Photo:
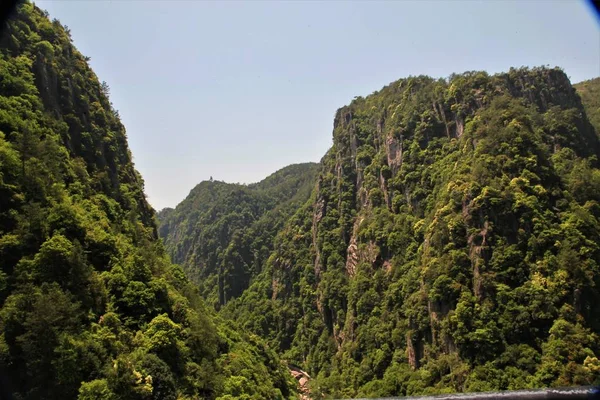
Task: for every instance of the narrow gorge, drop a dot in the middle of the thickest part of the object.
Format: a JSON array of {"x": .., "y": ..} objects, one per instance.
[{"x": 448, "y": 241}]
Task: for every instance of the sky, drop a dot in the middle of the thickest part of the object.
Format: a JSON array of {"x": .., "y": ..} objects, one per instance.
[{"x": 237, "y": 90}]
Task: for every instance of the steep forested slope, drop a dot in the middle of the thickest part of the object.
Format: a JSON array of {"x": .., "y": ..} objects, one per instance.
[
  {"x": 590, "y": 96},
  {"x": 90, "y": 307},
  {"x": 223, "y": 233},
  {"x": 452, "y": 243}
]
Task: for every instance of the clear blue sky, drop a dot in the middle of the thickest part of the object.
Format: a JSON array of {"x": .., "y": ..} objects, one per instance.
[{"x": 237, "y": 90}]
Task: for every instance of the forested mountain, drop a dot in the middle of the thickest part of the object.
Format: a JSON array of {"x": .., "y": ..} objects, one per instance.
[
  {"x": 222, "y": 233},
  {"x": 90, "y": 306},
  {"x": 452, "y": 243},
  {"x": 448, "y": 241},
  {"x": 590, "y": 96}
]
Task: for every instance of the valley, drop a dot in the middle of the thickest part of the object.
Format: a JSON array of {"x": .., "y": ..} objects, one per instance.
[{"x": 448, "y": 241}]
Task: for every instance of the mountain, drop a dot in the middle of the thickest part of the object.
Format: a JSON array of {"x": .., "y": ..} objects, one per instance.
[
  {"x": 589, "y": 91},
  {"x": 222, "y": 233},
  {"x": 448, "y": 241},
  {"x": 90, "y": 307},
  {"x": 452, "y": 243}
]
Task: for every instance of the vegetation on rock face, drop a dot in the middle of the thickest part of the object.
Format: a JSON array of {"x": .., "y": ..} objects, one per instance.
[
  {"x": 90, "y": 306},
  {"x": 451, "y": 243},
  {"x": 222, "y": 234}
]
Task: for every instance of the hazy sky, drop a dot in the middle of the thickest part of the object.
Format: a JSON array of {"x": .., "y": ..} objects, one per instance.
[{"x": 237, "y": 90}]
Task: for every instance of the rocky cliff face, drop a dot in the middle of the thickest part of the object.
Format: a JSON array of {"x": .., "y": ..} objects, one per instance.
[{"x": 452, "y": 236}]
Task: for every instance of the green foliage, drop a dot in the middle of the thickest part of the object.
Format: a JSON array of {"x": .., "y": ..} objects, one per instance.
[
  {"x": 223, "y": 233},
  {"x": 90, "y": 306},
  {"x": 450, "y": 243},
  {"x": 95, "y": 390},
  {"x": 590, "y": 96}
]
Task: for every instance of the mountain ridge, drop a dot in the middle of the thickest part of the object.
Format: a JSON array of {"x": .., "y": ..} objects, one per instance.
[
  {"x": 90, "y": 306},
  {"x": 388, "y": 280},
  {"x": 359, "y": 289},
  {"x": 589, "y": 91},
  {"x": 448, "y": 241},
  {"x": 220, "y": 221}
]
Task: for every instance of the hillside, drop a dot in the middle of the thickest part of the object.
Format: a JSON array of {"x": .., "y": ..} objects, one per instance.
[
  {"x": 589, "y": 91},
  {"x": 222, "y": 233},
  {"x": 448, "y": 241},
  {"x": 90, "y": 307},
  {"x": 451, "y": 243}
]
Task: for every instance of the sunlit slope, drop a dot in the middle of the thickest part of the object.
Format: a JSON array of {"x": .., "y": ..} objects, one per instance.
[
  {"x": 90, "y": 306},
  {"x": 451, "y": 243}
]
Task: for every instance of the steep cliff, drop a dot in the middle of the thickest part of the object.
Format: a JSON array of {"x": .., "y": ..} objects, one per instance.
[
  {"x": 222, "y": 233},
  {"x": 451, "y": 243},
  {"x": 90, "y": 308}
]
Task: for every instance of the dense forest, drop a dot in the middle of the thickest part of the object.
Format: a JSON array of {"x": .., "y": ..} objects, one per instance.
[
  {"x": 222, "y": 234},
  {"x": 450, "y": 242},
  {"x": 91, "y": 307}
]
